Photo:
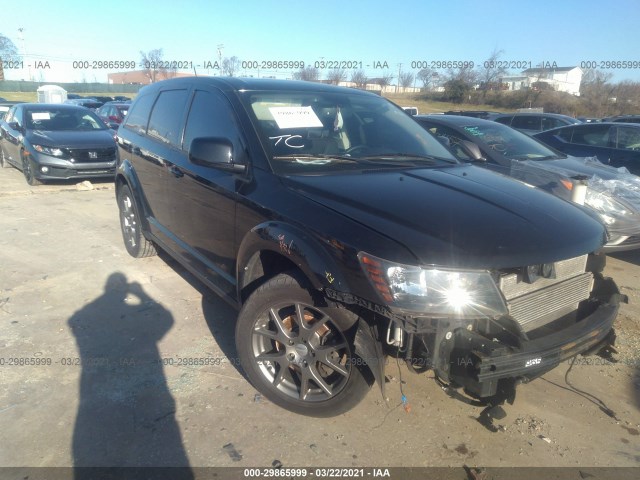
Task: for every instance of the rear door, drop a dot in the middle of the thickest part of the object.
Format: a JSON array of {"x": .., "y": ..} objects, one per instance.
[{"x": 591, "y": 140}]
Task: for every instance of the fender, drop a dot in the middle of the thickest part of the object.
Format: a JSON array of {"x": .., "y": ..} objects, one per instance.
[{"x": 316, "y": 259}]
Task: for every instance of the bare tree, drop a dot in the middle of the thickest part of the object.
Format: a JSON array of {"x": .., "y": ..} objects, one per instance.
[
  {"x": 8, "y": 53},
  {"x": 230, "y": 66},
  {"x": 152, "y": 64},
  {"x": 384, "y": 80},
  {"x": 406, "y": 79},
  {"x": 428, "y": 77},
  {"x": 491, "y": 71},
  {"x": 309, "y": 74},
  {"x": 337, "y": 75},
  {"x": 359, "y": 78}
]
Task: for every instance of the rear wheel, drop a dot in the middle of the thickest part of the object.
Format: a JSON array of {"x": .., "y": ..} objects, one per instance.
[
  {"x": 134, "y": 240},
  {"x": 298, "y": 351},
  {"x": 28, "y": 170}
]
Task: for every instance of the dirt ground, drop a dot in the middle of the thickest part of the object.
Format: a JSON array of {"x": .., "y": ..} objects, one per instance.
[{"x": 100, "y": 364}]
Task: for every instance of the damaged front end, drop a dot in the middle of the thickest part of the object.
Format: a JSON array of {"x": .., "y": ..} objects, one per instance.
[{"x": 485, "y": 332}]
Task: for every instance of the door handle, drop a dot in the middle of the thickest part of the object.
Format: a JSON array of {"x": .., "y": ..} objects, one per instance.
[{"x": 176, "y": 172}]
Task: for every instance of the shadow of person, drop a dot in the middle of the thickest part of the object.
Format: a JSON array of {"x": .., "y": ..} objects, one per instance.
[{"x": 126, "y": 414}]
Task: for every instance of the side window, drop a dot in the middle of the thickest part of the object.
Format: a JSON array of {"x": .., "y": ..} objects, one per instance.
[
  {"x": 593, "y": 135},
  {"x": 504, "y": 120},
  {"x": 211, "y": 116},
  {"x": 526, "y": 123},
  {"x": 17, "y": 116},
  {"x": 166, "y": 118},
  {"x": 139, "y": 117},
  {"x": 549, "y": 122},
  {"x": 628, "y": 138},
  {"x": 565, "y": 134}
]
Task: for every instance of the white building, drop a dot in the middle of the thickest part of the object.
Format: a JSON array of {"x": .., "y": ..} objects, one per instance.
[{"x": 560, "y": 79}]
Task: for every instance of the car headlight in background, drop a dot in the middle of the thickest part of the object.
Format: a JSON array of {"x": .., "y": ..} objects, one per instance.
[
  {"x": 54, "y": 152},
  {"x": 434, "y": 291}
]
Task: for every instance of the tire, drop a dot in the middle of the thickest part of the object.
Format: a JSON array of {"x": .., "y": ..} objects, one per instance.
[
  {"x": 308, "y": 366},
  {"x": 4, "y": 163},
  {"x": 28, "y": 170},
  {"x": 134, "y": 240}
]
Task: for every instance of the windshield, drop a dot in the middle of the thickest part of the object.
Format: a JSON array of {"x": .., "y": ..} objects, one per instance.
[
  {"x": 319, "y": 131},
  {"x": 509, "y": 142},
  {"x": 54, "y": 119}
]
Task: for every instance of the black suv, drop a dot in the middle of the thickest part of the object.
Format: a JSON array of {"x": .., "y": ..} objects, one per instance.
[{"x": 344, "y": 232}]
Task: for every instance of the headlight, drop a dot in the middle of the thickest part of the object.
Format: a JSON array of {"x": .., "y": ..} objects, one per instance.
[
  {"x": 55, "y": 152},
  {"x": 434, "y": 291},
  {"x": 610, "y": 210}
]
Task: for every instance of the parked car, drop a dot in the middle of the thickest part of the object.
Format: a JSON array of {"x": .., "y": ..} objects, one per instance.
[
  {"x": 113, "y": 113},
  {"x": 5, "y": 106},
  {"x": 485, "y": 114},
  {"x": 104, "y": 99},
  {"x": 411, "y": 110},
  {"x": 56, "y": 141},
  {"x": 531, "y": 123},
  {"x": 615, "y": 144},
  {"x": 338, "y": 226},
  {"x": 625, "y": 119},
  {"x": 120, "y": 98},
  {"x": 88, "y": 102},
  {"x": 614, "y": 195}
]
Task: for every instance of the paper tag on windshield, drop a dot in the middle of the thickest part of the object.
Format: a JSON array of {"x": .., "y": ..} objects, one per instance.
[
  {"x": 295, "y": 117},
  {"x": 40, "y": 116}
]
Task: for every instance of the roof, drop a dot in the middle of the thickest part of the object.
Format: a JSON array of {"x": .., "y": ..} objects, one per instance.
[
  {"x": 545, "y": 70},
  {"x": 258, "y": 84},
  {"x": 457, "y": 120},
  {"x": 67, "y": 106}
]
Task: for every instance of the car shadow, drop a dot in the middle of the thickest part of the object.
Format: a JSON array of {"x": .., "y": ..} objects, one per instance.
[
  {"x": 219, "y": 315},
  {"x": 126, "y": 413},
  {"x": 630, "y": 256}
]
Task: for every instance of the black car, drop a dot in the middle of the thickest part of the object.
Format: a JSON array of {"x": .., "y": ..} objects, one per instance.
[
  {"x": 113, "y": 113},
  {"x": 624, "y": 119},
  {"x": 531, "y": 123},
  {"x": 87, "y": 102},
  {"x": 343, "y": 231},
  {"x": 56, "y": 141},
  {"x": 484, "y": 114},
  {"x": 615, "y": 144},
  {"x": 615, "y": 196}
]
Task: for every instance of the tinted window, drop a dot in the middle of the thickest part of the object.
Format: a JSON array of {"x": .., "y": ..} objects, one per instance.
[
  {"x": 628, "y": 138},
  {"x": 166, "y": 117},
  {"x": 551, "y": 122},
  {"x": 594, "y": 135},
  {"x": 137, "y": 120},
  {"x": 526, "y": 123},
  {"x": 504, "y": 120},
  {"x": 210, "y": 116},
  {"x": 56, "y": 119},
  {"x": 10, "y": 115},
  {"x": 565, "y": 134}
]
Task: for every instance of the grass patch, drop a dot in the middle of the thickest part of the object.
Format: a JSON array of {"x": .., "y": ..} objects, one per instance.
[{"x": 428, "y": 106}]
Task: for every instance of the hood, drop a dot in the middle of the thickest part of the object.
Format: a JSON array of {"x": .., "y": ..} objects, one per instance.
[
  {"x": 461, "y": 216},
  {"x": 71, "y": 138}
]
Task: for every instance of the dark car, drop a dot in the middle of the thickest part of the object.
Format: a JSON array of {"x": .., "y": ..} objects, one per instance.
[
  {"x": 88, "y": 102},
  {"x": 342, "y": 231},
  {"x": 113, "y": 113},
  {"x": 121, "y": 98},
  {"x": 56, "y": 141},
  {"x": 531, "y": 123},
  {"x": 624, "y": 119},
  {"x": 615, "y": 144},
  {"x": 615, "y": 196},
  {"x": 5, "y": 106},
  {"x": 485, "y": 114}
]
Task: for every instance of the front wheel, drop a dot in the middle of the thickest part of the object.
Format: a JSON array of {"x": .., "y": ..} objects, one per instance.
[
  {"x": 28, "y": 170},
  {"x": 298, "y": 351}
]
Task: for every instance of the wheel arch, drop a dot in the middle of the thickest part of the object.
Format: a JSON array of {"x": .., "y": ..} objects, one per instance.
[{"x": 126, "y": 175}]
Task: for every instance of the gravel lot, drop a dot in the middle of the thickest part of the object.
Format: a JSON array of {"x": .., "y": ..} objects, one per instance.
[{"x": 101, "y": 366}]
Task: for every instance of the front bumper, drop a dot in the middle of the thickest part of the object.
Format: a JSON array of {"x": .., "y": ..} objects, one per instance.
[
  {"x": 478, "y": 364},
  {"x": 59, "y": 169}
]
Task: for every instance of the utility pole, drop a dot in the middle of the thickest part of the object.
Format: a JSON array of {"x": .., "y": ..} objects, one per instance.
[
  {"x": 398, "y": 82},
  {"x": 220, "y": 48}
]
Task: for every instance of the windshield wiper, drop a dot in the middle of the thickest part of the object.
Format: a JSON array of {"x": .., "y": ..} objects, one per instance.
[
  {"x": 412, "y": 158},
  {"x": 536, "y": 159},
  {"x": 317, "y": 156}
]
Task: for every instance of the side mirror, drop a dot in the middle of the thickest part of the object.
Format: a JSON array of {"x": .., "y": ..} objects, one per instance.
[
  {"x": 215, "y": 153},
  {"x": 472, "y": 150},
  {"x": 444, "y": 140},
  {"x": 15, "y": 126}
]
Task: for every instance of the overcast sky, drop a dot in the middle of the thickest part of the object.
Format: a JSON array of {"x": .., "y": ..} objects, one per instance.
[{"x": 365, "y": 33}]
